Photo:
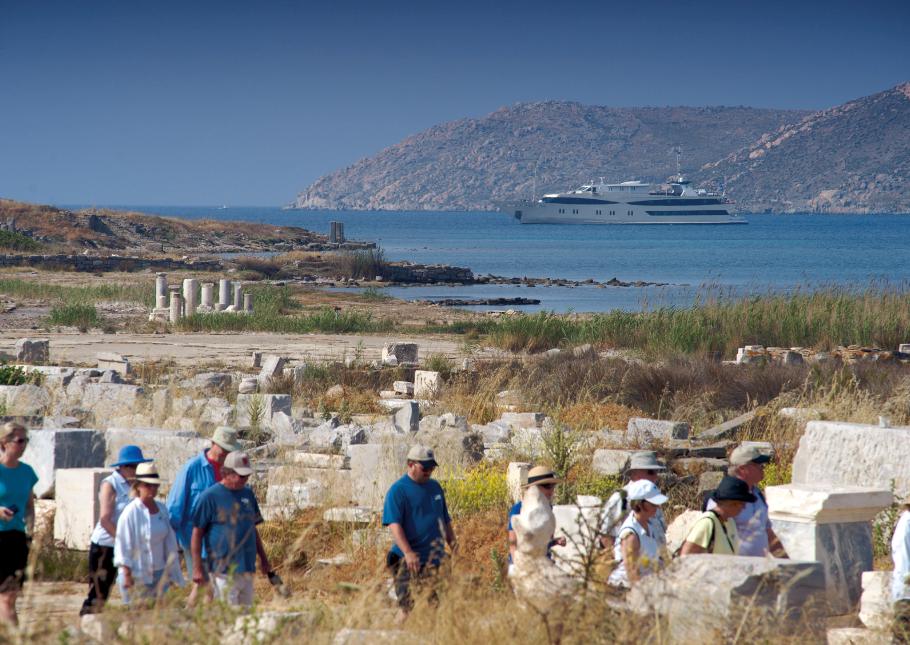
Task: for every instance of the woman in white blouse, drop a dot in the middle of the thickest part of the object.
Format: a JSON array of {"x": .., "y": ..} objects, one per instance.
[{"x": 145, "y": 547}]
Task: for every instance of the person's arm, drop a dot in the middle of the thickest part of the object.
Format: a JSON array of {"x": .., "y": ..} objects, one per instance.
[
  {"x": 127, "y": 574},
  {"x": 196, "y": 551},
  {"x": 513, "y": 543},
  {"x": 177, "y": 499},
  {"x": 775, "y": 546},
  {"x": 263, "y": 556},
  {"x": 30, "y": 515},
  {"x": 631, "y": 546},
  {"x": 450, "y": 535},
  {"x": 107, "y": 500},
  {"x": 690, "y": 548},
  {"x": 411, "y": 557}
]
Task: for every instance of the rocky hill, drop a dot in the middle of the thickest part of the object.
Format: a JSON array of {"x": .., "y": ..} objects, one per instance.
[
  {"x": 101, "y": 229},
  {"x": 482, "y": 163},
  {"x": 851, "y": 158}
]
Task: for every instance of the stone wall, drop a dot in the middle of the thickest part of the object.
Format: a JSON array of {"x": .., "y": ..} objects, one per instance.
[{"x": 94, "y": 263}]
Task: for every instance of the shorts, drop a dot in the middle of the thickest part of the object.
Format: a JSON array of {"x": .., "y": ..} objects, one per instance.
[
  {"x": 403, "y": 578},
  {"x": 13, "y": 560},
  {"x": 235, "y": 590}
]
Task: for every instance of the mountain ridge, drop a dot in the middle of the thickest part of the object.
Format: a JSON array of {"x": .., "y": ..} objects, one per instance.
[{"x": 768, "y": 160}]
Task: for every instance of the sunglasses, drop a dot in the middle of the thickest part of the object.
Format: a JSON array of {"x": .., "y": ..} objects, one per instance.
[
  {"x": 547, "y": 486},
  {"x": 427, "y": 468},
  {"x": 19, "y": 440}
]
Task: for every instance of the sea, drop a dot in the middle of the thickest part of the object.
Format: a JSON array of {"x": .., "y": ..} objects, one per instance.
[{"x": 770, "y": 254}]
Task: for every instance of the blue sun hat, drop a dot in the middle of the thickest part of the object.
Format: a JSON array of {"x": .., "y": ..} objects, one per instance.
[{"x": 130, "y": 456}]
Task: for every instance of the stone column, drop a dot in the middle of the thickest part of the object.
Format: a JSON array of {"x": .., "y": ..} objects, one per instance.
[
  {"x": 190, "y": 289},
  {"x": 208, "y": 295},
  {"x": 224, "y": 294},
  {"x": 238, "y": 296},
  {"x": 161, "y": 291},
  {"x": 176, "y": 307},
  {"x": 831, "y": 525},
  {"x": 248, "y": 302}
]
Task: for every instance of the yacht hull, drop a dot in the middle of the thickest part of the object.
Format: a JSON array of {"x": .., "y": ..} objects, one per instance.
[{"x": 543, "y": 213}]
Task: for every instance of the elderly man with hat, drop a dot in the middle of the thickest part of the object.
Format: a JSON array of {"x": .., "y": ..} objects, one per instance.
[
  {"x": 753, "y": 526},
  {"x": 416, "y": 513},
  {"x": 224, "y": 522},
  {"x": 546, "y": 480},
  {"x": 195, "y": 477},
  {"x": 113, "y": 497},
  {"x": 643, "y": 466}
]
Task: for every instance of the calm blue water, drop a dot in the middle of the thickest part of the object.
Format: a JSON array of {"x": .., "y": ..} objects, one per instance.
[{"x": 771, "y": 253}]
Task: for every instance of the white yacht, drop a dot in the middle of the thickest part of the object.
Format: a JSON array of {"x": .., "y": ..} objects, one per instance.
[{"x": 630, "y": 202}]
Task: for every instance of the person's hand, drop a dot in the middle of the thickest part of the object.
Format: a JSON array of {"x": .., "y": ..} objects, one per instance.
[
  {"x": 127, "y": 579},
  {"x": 412, "y": 560},
  {"x": 198, "y": 575},
  {"x": 560, "y": 541},
  {"x": 6, "y": 514}
]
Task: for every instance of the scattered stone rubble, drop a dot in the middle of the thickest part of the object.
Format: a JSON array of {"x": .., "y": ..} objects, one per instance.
[{"x": 843, "y": 475}]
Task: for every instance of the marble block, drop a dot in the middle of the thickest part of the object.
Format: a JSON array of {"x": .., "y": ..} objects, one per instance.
[{"x": 833, "y": 527}]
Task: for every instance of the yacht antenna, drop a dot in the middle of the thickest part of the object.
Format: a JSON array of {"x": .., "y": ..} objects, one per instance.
[{"x": 678, "y": 152}]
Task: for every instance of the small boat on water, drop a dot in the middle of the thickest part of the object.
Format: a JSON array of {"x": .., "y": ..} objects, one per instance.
[{"x": 630, "y": 202}]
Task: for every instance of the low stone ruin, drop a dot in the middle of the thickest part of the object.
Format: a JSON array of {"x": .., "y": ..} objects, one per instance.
[{"x": 751, "y": 354}]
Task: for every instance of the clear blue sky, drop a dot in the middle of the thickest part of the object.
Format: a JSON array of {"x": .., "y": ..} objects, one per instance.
[{"x": 245, "y": 103}]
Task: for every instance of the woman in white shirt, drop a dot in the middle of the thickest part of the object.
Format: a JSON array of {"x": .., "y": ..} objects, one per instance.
[
  {"x": 635, "y": 548},
  {"x": 113, "y": 496},
  {"x": 900, "y": 577},
  {"x": 145, "y": 547}
]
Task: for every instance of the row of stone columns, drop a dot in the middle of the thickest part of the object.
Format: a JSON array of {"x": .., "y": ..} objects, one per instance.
[{"x": 186, "y": 301}]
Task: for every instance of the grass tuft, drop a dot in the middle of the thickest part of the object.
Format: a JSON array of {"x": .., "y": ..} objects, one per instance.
[{"x": 80, "y": 316}]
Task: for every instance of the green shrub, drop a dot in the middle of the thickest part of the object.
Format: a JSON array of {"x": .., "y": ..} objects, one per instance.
[
  {"x": 82, "y": 317},
  {"x": 17, "y": 242},
  {"x": 439, "y": 363},
  {"x": 375, "y": 295},
  {"x": 13, "y": 375}
]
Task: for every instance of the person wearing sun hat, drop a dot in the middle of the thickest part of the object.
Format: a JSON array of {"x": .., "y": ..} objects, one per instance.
[
  {"x": 145, "y": 547},
  {"x": 753, "y": 525},
  {"x": 715, "y": 530},
  {"x": 224, "y": 522},
  {"x": 113, "y": 497},
  {"x": 635, "y": 549},
  {"x": 416, "y": 513},
  {"x": 195, "y": 477},
  {"x": 643, "y": 466},
  {"x": 546, "y": 480}
]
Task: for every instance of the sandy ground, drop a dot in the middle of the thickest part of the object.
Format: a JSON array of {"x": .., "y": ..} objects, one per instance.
[{"x": 229, "y": 349}]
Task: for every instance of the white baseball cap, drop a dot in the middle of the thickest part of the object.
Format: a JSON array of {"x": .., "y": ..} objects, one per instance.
[{"x": 646, "y": 490}]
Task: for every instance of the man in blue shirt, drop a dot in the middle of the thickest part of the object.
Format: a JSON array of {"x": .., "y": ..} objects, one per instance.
[
  {"x": 416, "y": 513},
  {"x": 194, "y": 478},
  {"x": 224, "y": 521}
]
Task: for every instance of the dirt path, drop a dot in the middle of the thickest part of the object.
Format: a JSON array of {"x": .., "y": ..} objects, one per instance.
[{"x": 229, "y": 349}]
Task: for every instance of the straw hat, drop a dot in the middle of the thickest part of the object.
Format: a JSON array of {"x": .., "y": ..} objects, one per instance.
[
  {"x": 147, "y": 474},
  {"x": 541, "y": 475}
]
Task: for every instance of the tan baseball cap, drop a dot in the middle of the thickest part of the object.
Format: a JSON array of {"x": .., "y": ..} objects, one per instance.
[
  {"x": 422, "y": 454},
  {"x": 239, "y": 462},
  {"x": 745, "y": 454}
]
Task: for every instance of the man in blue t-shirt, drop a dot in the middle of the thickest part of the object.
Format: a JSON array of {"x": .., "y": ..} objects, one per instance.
[
  {"x": 416, "y": 513},
  {"x": 545, "y": 479},
  {"x": 225, "y": 519}
]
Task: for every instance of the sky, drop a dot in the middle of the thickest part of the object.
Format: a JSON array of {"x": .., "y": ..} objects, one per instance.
[{"x": 197, "y": 102}]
